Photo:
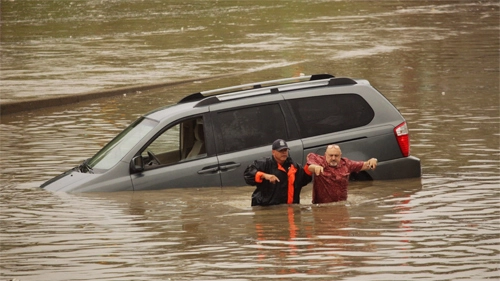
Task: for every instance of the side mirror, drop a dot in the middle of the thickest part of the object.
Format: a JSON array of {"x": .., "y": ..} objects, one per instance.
[{"x": 137, "y": 164}]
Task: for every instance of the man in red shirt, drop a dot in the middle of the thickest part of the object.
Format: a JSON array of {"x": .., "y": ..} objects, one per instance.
[{"x": 332, "y": 174}]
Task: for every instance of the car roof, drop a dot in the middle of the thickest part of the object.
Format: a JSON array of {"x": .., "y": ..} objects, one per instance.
[
  {"x": 170, "y": 110},
  {"x": 203, "y": 99}
]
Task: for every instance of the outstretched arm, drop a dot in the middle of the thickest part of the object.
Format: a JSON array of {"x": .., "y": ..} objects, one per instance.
[
  {"x": 315, "y": 169},
  {"x": 270, "y": 177},
  {"x": 254, "y": 174}
]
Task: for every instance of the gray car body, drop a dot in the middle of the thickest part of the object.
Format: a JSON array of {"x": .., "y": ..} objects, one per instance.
[{"x": 375, "y": 139}]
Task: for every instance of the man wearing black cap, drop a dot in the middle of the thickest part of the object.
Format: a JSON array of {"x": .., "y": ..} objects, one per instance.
[{"x": 279, "y": 180}]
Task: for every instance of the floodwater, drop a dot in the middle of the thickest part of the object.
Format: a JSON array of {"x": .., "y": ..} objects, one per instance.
[{"x": 437, "y": 61}]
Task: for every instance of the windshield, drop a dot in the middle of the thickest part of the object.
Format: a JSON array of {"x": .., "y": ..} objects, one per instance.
[{"x": 116, "y": 149}]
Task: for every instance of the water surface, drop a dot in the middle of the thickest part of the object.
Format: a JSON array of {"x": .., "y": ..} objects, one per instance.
[{"x": 437, "y": 62}]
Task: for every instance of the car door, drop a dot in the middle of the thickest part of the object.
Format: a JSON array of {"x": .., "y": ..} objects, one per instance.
[
  {"x": 245, "y": 134},
  {"x": 179, "y": 157}
]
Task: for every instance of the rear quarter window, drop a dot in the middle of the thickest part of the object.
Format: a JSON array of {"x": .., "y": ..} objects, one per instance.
[{"x": 332, "y": 113}]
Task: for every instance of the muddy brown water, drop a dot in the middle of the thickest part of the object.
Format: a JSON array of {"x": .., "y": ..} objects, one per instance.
[{"x": 437, "y": 61}]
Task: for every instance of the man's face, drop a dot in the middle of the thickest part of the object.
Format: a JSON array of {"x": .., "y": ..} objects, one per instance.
[
  {"x": 280, "y": 156},
  {"x": 333, "y": 155}
]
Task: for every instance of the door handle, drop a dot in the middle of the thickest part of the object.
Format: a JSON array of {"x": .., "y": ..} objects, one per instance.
[
  {"x": 208, "y": 170},
  {"x": 229, "y": 166}
]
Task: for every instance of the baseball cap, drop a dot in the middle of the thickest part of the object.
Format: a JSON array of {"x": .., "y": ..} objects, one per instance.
[{"x": 279, "y": 145}]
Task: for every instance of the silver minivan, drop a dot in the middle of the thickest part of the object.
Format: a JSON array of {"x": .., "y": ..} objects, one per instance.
[{"x": 208, "y": 138}]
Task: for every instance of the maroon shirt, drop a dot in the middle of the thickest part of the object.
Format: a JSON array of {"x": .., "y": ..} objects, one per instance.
[{"x": 331, "y": 186}]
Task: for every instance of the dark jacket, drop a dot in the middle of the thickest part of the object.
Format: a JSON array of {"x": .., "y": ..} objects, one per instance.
[{"x": 280, "y": 192}]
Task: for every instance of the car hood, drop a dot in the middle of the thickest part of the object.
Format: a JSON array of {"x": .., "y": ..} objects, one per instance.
[{"x": 71, "y": 180}]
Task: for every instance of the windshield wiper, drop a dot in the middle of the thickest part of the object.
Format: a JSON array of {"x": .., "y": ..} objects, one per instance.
[{"x": 85, "y": 168}]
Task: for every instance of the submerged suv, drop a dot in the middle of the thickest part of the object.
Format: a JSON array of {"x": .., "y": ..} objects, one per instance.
[{"x": 208, "y": 138}]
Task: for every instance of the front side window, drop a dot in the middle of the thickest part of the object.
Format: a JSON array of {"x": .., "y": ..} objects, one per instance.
[
  {"x": 327, "y": 114},
  {"x": 181, "y": 141},
  {"x": 250, "y": 127}
]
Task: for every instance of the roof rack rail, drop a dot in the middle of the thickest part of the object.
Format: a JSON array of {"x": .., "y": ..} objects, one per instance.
[
  {"x": 339, "y": 81},
  {"x": 255, "y": 85},
  {"x": 212, "y": 99}
]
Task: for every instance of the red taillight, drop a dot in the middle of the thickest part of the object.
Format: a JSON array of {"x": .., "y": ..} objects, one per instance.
[{"x": 401, "y": 132}]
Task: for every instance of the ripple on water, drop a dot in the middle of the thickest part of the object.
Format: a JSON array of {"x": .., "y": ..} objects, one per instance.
[{"x": 427, "y": 59}]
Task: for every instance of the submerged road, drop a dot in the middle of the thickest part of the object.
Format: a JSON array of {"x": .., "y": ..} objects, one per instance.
[{"x": 39, "y": 103}]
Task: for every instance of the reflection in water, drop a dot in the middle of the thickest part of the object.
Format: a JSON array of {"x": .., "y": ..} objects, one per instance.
[
  {"x": 437, "y": 62},
  {"x": 213, "y": 232}
]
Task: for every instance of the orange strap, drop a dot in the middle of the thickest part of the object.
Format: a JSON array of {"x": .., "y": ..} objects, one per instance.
[{"x": 291, "y": 180}]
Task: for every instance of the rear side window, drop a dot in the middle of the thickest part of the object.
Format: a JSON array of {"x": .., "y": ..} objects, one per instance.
[
  {"x": 249, "y": 127},
  {"x": 328, "y": 114}
]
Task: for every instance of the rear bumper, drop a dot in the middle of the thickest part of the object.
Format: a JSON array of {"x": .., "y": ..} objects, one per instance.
[{"x": 402, "y": 168}]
